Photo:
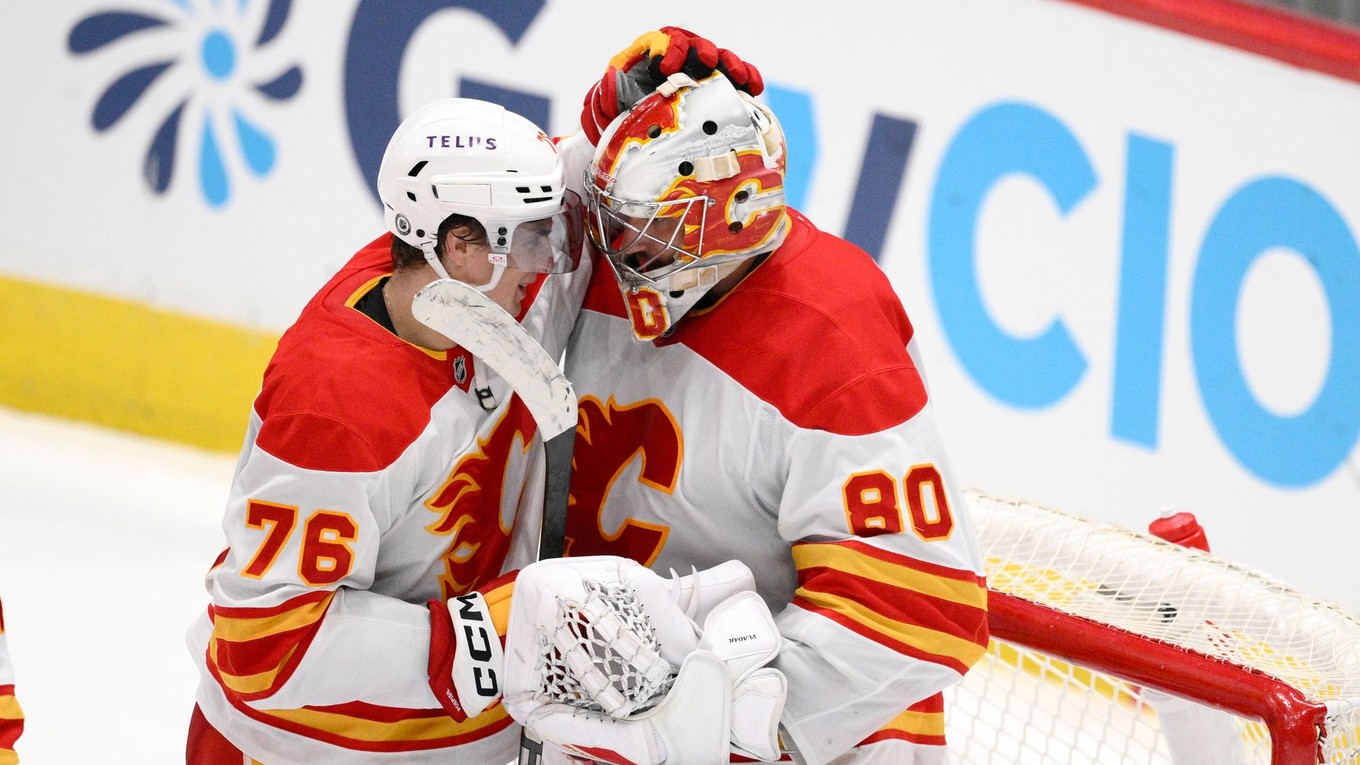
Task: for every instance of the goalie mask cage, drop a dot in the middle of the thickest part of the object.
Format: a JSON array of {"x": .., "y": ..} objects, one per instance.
[{"x": 1100, "y": 635}]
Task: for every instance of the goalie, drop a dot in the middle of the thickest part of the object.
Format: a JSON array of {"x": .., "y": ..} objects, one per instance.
[{"x": 750, "y": 388}]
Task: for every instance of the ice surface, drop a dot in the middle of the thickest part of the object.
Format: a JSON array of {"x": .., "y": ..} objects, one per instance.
[{"x": 104, "y": 541}]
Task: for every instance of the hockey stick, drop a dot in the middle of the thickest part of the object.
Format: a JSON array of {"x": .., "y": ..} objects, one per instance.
[{"x": 469, "y": 318}]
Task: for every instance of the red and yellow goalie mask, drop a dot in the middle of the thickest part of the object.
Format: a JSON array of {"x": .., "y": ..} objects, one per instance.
[{"x": 684, "y": 187}]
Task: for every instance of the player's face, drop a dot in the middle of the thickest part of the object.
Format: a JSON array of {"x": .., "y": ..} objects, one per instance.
[
  {"x": 655, "y": 247},
  {"x": 473, "y": 268}
]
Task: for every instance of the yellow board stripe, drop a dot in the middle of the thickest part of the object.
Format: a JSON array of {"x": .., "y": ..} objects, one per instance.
[
  {"x": 914, "y": 635},
  {"x": 850, "y": 561},
  {"x": 9, "y": 708},
  {"x": 125, "y": 365}
]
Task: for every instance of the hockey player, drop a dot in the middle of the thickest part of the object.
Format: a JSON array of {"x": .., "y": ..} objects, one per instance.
[
  {"x": 11, "y": 716},
  {"x": 385, "y": 467},
  {"x": 750, "y": 387}
]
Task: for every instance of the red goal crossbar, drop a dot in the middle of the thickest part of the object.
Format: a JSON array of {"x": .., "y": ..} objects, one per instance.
[{"x": 1295, "y": 723}]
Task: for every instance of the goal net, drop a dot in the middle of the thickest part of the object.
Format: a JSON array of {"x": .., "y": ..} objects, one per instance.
[{"x": 1114, "y": 647}]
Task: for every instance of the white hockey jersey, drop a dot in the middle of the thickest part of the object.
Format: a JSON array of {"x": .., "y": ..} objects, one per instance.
[
  {"x": 788, "y": 426},
  {"x": 372, "y": 481}
]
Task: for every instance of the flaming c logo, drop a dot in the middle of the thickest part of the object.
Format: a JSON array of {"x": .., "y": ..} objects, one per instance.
[
  {"x": 609, "y": 438},
  {"x": 722, "y": 232},
  {"x": 469, "y": 504}
]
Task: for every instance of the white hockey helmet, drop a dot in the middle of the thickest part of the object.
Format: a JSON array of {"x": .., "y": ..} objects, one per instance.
[
  {"x": 684, "y": 187},
  {"x": 474, "y": 158}
]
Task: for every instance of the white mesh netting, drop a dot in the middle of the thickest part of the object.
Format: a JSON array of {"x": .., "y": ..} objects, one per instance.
[
  {"x": 604, "y": 655},
  {"x": 1022, "y": 706}
]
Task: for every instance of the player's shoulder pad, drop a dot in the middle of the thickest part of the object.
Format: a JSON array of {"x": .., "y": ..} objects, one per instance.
[{"x": 818, "y": 332}]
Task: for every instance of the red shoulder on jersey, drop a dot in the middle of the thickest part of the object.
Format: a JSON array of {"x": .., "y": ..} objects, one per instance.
[
  {"x": 817, "y": 331},
  {"x": 342, "y": 393}
]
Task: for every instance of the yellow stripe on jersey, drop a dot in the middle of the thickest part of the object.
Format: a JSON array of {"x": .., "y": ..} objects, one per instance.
[
  {"x": 362, "y": 729},
  {"x": 258, "y": 683},
  {"x": 921, "y": 609},
  {"x": 927, "y": 641},
  {"x": 237, "y": 627},
  {"x": 917, "y": 723},
  {"x": 842, "y": 558},
  {"x": 253, "y": 650},
  {"x": 11, "y": 726}
]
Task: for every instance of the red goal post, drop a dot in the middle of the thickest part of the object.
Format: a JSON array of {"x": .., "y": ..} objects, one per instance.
[{"x": 1099, "y": 634}]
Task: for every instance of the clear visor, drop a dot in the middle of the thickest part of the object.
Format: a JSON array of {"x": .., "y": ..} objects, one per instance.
[
  {"x": 545, "y": 245},
  {"x": 645, "y": 239}
]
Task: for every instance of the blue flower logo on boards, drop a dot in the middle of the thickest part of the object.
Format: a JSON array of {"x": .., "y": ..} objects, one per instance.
[{"x": 202, "y": 59}]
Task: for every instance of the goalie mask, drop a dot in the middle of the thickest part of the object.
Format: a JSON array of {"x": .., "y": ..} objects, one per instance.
[
  {"x": 474, "y": 158},
  {"x": 684, "y": 187}
]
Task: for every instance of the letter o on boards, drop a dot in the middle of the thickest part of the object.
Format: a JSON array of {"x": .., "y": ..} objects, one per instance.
[{"x": 1291, "y": 451}]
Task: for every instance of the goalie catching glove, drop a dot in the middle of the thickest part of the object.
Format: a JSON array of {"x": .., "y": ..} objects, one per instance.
[
  {"x": 590, "y": 667},
  {"x": 653, "y": 57},
  {"x": 467, "y": 635}
]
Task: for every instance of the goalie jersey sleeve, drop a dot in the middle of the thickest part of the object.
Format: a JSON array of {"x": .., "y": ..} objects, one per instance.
[
  {"x": 372, "y": 481},
  {"x": 11, "y": 716},
  {"x": 788, "y": 426}
]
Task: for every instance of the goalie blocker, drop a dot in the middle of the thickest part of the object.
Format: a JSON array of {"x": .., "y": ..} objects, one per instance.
[{"x": 606, "y": 660}]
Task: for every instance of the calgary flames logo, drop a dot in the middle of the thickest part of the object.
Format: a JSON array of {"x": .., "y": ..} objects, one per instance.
[
  {"x": 609, "y": 438},
  {"x": 750, "y": 206},
  {"x": 469, "y": 504}
]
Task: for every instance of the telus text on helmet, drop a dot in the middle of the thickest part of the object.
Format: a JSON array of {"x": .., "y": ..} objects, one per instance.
[{"x": 461, "y": 142}]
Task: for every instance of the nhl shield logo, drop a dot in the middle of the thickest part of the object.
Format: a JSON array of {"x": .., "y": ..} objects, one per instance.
[{"x": 460, "y": 370}]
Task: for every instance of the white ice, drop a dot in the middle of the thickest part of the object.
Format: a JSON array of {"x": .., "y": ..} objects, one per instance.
[{"x": 104, "y": 541}]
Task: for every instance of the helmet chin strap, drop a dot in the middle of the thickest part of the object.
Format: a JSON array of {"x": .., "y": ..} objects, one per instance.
[
  {"x": 485, "y": 397},
  {"x": 431, "y": 257},
  {"x": 497, "y": 270}
]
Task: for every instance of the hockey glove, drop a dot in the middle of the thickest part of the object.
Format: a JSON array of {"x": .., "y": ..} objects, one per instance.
[
  {"x": 466, "y": 664},
  {"x": 467, "y": 658},
  {"x": 641, "y": 67},
  {"x": 723, "y": 699}
]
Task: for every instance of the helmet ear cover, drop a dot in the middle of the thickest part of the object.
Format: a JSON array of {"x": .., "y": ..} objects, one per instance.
[{"x": 406, "y": 255}]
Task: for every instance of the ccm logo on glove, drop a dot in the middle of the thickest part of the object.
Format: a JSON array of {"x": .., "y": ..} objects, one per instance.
[
  {"x": 466, "y": 656},
  {"x": 476, "y": 638},
  {"x": 478, "y": 656}
]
